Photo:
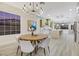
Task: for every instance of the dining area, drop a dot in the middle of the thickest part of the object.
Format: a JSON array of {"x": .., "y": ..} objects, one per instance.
[
  {"x": 15, "y": 36},
  {"x": 32, "y": 34},
  {"x": 30, "y": 43},
  {"x": 39, "y": 29}
]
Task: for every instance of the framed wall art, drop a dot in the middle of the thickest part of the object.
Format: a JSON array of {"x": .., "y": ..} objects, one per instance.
[
  {"x": 31, "y": 23},
  {"x": 9, "y": 23}
]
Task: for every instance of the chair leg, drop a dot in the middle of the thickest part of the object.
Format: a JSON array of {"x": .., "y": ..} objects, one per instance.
[
  {"x": 36, "y": 49},
  {"x": 44, "y": 52},
  {"x": 21, "y": 53},
  {"x": 31, "y": 54},
  {"x": 17, "y": 50},
  {"x": 48, "y": 49}
]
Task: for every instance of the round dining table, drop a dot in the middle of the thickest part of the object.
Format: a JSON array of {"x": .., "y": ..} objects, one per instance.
[
  {"x": 34, "y": 39},
  {"x": 29, "y": 37}
]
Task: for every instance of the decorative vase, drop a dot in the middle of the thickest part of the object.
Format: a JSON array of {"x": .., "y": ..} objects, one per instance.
[{"x": 32, "y": 33}]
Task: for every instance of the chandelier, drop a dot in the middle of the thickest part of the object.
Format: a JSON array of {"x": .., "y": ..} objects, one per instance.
[{"x": 34, "y": 8}]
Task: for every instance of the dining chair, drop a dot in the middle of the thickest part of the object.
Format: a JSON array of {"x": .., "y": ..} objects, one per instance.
[
  {"x": 26, "y": 47},
  {"x": 45, "y": 43}
]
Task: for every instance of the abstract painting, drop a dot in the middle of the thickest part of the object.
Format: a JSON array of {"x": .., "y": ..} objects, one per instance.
[
  {"x": 31, "y": 23},
  {"x": 9, "y": 23}
]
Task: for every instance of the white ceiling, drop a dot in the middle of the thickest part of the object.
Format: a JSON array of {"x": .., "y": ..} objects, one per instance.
[{"x": 51, "y": 8}]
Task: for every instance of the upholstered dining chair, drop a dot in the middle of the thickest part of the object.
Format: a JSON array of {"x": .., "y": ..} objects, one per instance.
[
  {"x": 45, "y": 43},
  {"x": 26, "y": 47}
]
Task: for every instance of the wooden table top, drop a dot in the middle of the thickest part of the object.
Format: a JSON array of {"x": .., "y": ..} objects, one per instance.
[{"x": 29, "y": 37}]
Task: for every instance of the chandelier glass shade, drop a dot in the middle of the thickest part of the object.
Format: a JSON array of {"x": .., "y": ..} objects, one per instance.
[{"x": 33, "y": 8}]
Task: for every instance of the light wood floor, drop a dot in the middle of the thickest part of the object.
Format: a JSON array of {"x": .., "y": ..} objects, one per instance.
[{"x": 65, "y": 46}]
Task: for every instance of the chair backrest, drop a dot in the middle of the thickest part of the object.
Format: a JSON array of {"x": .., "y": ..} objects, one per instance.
[
  {"x": 44, "y": 43},
  {"x": 26, "y": 46},
  {"x": 46, "y": 30}
]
